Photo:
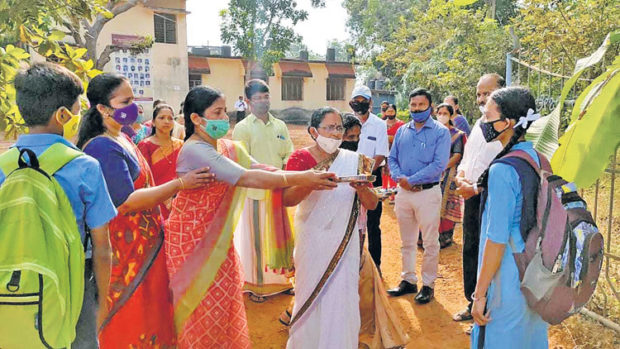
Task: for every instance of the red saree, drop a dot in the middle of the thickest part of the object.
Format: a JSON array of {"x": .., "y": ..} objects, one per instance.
[
  {"x": 205, "y": 270},
  {"x": 163, "y": 164},
  {"x": 139, "y": 299}
]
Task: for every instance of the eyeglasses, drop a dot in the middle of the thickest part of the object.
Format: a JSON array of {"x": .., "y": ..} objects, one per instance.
[{"x": 333, "y": 128}]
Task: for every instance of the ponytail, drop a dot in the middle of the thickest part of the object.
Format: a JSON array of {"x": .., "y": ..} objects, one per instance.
[
  {"x": 90, "y": 127},
  {"x": 100, "y": 90}
]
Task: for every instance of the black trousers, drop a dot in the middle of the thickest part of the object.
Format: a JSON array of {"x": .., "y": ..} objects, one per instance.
[
  {"x": 373, "y": 224},
  {"x": 86, "y": 329},
  {"x": 471, "y": 242},
  {"x": 240, "y": 115}
]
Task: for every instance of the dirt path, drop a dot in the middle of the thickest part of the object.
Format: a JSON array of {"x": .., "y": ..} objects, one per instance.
[{"x": 428, "y": 326}]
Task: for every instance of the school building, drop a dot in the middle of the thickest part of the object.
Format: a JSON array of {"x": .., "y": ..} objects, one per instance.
[
  {"x": 161, "y": 71},
  {"x": 297, "y": 86}
]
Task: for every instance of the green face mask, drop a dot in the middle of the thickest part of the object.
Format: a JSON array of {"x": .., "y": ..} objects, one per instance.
[{"x": 217, "y": 129}]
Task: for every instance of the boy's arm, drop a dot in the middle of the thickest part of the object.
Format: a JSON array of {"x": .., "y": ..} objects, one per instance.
[{"x": 102, "y": 261}]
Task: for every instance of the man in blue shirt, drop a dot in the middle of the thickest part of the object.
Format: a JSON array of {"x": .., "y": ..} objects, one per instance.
[
  {"x": 419, "y": 155},
  {"x": 48, "y": 99}
]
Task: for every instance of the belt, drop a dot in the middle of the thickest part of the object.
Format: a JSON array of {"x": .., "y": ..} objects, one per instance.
[{"x": 420, "y": 187}]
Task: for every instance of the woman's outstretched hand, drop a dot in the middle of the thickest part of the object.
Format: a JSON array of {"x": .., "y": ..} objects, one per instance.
[
  {"x": 321, "y": 180},
  {"x": 197, "y": 178}
]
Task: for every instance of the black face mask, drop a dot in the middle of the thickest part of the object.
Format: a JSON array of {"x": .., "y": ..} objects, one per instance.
[
  {"x": 349, "y": 145},
  {"x": 489, "y": 132},
  {"x": 360, "y": 107},
  {"x": 384, "y": 109}
]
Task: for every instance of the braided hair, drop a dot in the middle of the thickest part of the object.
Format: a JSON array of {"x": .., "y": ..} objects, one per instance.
[{"x": 513, "y": 103}]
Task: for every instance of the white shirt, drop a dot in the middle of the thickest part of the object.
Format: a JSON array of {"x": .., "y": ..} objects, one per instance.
[
  {"x": 240, "y": 105},
  {"x": 373, "y": 138},
  {"x": 478, "y": 154}
]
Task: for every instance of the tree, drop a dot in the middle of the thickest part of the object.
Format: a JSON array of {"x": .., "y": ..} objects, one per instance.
[
  {"x": 439, "y": 46},
  {"x": 85, "y": 33},
  {"x": 262, "y": 30},
  {"x": 345, "y": 51},
  {"x": 42, "y": 26}
]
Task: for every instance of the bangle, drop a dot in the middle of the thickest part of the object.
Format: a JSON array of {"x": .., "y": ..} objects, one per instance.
[
  {"x": 476, "y": 298},
  {"x": 182, "y": 183},
  {"x": 285, "y": 180},
  {"x": 476, "y": 188}
]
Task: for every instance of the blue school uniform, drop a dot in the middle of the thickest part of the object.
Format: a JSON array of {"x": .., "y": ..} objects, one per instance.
[{"x": 513, "y": 324}]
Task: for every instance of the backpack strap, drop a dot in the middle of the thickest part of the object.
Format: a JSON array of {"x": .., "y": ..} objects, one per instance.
[
  {"x": 57, "y": 156},
  {"x": 8, "y": 161},
  {"x": 521, "y": 154}
]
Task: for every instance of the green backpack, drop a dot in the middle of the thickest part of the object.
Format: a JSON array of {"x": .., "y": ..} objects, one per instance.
[{"x": 41, "y": 252}]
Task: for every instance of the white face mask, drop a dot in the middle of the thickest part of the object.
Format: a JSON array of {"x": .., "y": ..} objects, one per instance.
[
  {"x": 482, "y": 109},
  {"x": 444, "y": 119},
  {"x": 329, "y": 145}
]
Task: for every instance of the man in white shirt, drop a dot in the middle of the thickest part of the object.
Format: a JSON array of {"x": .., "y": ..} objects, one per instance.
[
  {"x": 477, "y": 157},
  {"x": 374, "y": 144},
  {"x": 241, "y": 107}
]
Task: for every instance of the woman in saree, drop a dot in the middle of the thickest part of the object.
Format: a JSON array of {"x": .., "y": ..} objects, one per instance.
[
  {"x": 204, "y": 268},
  {"x": 139, "y": 300},
  {"x": 452, "y": 203},
  {"x": 393, "y": 124},
  {"x": 326, "y": 313},
  {"x": 161, "y": 150}
]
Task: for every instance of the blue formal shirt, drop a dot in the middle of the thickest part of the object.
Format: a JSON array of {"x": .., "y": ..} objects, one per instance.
[
  {"x": 420, "y": 155},
  {"x": 81, "y": 179}
]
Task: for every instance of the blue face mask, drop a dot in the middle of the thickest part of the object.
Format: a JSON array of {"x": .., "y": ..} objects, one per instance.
[
  {"x": 217, "y": 129},
  {"x": 141, "y": 118},
  {"x": 421, "y": 116}
]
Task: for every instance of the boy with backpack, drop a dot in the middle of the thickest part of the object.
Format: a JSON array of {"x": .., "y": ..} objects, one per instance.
[{"x": 53, "y": 201}]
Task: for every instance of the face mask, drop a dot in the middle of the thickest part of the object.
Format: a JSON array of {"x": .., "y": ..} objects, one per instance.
[
  {"x": 481, "y": 107},
  {"x": 420, "y": 116},
  {"x": 260, "y": 108},
  {"x": 329, "y": 145},
  {"x": 391, "y": 117},
  {"x": 217, "y": 129},
  {"x": 444, "y": 119},
  {"x": 383, "y": 110},
  {"x": 141, "y": 118},
  {"x": 360, "y": 108},
  {"x": 489, "y": 132},
  {"x": 70, "y": 128},
  {"x": 127, "y": 115},
  {"x": 349, "y": 145}
]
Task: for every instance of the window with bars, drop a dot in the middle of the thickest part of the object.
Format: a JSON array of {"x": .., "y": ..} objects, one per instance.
[
  {"x": 195, "y": 80},
  {"x": 335, "y": 89},
  {"x": 292, "y": 88},
  {"x": 165, "y": 28}
]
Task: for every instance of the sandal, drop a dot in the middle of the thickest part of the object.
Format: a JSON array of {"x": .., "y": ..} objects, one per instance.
[
  {"x": 257, "y": 299},
  {"x": 463, "y": 315}
]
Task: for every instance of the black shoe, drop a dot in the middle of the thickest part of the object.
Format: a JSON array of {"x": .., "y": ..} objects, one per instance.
[
  {"x": 425, "y": 295},
  {"x": 403, "y": 288}
]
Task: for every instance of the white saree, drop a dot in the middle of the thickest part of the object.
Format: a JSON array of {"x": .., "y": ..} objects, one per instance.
[{"x": 326, "y": 311}]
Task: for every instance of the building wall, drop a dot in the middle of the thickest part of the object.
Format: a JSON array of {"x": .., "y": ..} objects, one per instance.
[
  {"x": 314, "y": 90},
  {"x": 169, "y": 61},
  {"x": 227, "y": 75}
]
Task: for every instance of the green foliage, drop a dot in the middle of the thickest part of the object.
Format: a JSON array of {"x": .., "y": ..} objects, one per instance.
[
  {"x": 42, "y": 26},
  {"x": 543, "y": 133},
  {"x": 262, "y": 30},
  {"x": 593, "y": 135},
  {"x": 556, "y": 33},
  {"x": 444, "y": 48}
]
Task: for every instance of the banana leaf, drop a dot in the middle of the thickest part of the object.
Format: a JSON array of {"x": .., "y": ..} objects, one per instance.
[
  {"x": 544, "y": 132},
  {"x": 594, "y": 133}
]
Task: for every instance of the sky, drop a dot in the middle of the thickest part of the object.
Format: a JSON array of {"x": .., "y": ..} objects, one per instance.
[{"x": 322, "y": 25}]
